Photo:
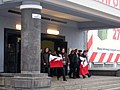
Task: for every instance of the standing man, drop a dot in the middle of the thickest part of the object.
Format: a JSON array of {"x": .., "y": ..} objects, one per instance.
[
  {"x": 70, "y": 56},
  {"x": 79, "y": 62},
  {"x": 75, "y": 63},
  {"x": 65, "y": 60}
]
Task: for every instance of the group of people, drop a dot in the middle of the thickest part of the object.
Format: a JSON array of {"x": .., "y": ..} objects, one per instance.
[{"x": 74, "y": 61}]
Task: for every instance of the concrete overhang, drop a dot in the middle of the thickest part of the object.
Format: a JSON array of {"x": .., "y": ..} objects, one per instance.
[
  {"x": 97, "y": 14},
  {"x": 90, "y": 9}
]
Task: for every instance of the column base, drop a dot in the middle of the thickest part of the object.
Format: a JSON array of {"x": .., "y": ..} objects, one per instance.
[
  {"x": 10, "y": 81},
  {"x": 31, "y": 82}
]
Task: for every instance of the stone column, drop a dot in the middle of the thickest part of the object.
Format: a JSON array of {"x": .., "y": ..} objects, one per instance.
[
  {"x": 30, "y": 37},
  {"x": 30, "y": 77}
]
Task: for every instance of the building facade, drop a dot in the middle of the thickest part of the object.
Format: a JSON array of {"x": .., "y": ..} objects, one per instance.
[{"x": 70, "y": 18}]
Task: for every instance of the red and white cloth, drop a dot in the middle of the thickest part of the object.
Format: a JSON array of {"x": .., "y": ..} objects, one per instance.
[
  {"x": 84, "y": 66},
  {"x": 55, "y": 61}
]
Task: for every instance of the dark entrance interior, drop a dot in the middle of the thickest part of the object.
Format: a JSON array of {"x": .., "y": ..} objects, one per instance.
[
  {"x": 53, "y": 42},
  {"x": 12, "y": 44},
  {"x": 12, "y": 48}
]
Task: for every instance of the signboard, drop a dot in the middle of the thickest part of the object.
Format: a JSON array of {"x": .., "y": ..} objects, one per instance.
[
  {"x": 113, "y": 3},
  {"x": 104, "y": 45}
]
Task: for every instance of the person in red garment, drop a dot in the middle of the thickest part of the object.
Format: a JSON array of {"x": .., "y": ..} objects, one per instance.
[
  {"x": 84, "y": 65},
  {"x": 57, "y": 62}
]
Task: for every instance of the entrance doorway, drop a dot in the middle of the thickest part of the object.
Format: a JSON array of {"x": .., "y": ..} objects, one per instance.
[
  {"x": 53, "y": 42},
  {"x": 12, "y": 48}
]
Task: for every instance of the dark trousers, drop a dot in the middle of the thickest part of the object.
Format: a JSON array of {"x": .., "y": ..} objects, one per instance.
[
  {"x": 46, "y": 69},
  {"x": 66, "y": 69},
  {"x": 74, "y": 70},
  {"x": 71, "y": 70},
  {"x": 61, "y": 72},
  {"x": 78, "y": 71}
]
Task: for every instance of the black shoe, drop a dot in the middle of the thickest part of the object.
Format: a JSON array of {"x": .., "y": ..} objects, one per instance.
[
  {"x": 70, "y": 76},
  {"x": 84, "y": 77},
  {"x": 57, "y": 78},
  {"x": 78, "y": 77},
  {"x": 65, "y": 80},
  {"x": 89, "y": 76},
  {"x": 50, "y": 76},
  {"x": 74, "y": 77}
]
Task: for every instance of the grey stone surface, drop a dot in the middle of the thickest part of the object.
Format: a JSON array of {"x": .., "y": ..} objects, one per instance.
[
  {"x": 32, "y": 83},
  {"x": 30, "y": 41},
  {"x": 93, "y": 83},
  {"x": 2, "y": 82}
]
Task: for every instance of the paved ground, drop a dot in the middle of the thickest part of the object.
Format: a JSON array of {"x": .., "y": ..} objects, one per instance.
[{"x": 92, "y": 83}]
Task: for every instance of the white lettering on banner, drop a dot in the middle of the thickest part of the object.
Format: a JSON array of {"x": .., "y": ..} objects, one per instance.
[{"x": 113, "y": 3}]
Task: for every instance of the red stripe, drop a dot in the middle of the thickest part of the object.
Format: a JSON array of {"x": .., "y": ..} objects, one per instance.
[
  {"x": 117, "y": 58},
  {"x": 102, "y": 57},
  {"x": 92, "y": 56},
  {"x": 89, "y": 44},
  {"x": 53, "y": 60},
  {"x": 110, "y": 57}
]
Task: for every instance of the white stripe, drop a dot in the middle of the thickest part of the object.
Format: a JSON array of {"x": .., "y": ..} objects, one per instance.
[
  {"x": 51, "y": 57},
  {"x": 84, "y": 61},
  {"x": 113, "y": 58},
  {"x": 97, "y": 57},
  {"x": 106, "y": 57},
  {"x": 89, "y": 54},
  {"x": 91, "y": 48},
  {"x": 31, "y": 6}
]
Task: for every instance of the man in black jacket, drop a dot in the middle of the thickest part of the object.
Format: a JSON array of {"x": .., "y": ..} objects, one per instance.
[
  {"x": 79, "y": 62},
  {"x": 70, "y": 56},
  {"x": 75, "y": 63}
]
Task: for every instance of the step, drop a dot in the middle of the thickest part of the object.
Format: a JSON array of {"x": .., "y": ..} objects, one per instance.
[
  {"x": 110, "y": 86},
  {"x": 104, "y": 87},
  {"x": 95, "y": 83},
  {"x": 100, "y": 83},
  {"x": 3, "y": 88},
  {"x": 83, "y": 81},
  {"x": 116, "y": 88}
]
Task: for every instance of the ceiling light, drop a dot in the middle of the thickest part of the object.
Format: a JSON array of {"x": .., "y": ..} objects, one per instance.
[
  {"x": 51, "y": 31},
  {"x": 18, "y": 26}
]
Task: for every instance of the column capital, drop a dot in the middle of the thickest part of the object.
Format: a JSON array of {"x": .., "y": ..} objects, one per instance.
[{"x": 31, "y": 6}]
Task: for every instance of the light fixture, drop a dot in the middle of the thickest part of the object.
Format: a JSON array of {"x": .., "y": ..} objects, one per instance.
[
  {"x": 18, "y": 26},
  {"x": 52, "y": 31}
]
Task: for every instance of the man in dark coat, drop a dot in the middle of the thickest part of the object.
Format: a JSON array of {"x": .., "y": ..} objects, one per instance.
[
  {"x": 79, "y": 62},
  {"x": 70, "y": 56},
  {"x": 75, "y": 63}
]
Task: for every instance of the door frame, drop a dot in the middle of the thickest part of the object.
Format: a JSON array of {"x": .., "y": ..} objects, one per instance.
[
  {"x": 51, "y": 37},
  {"x": 7, "y": 32}
]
